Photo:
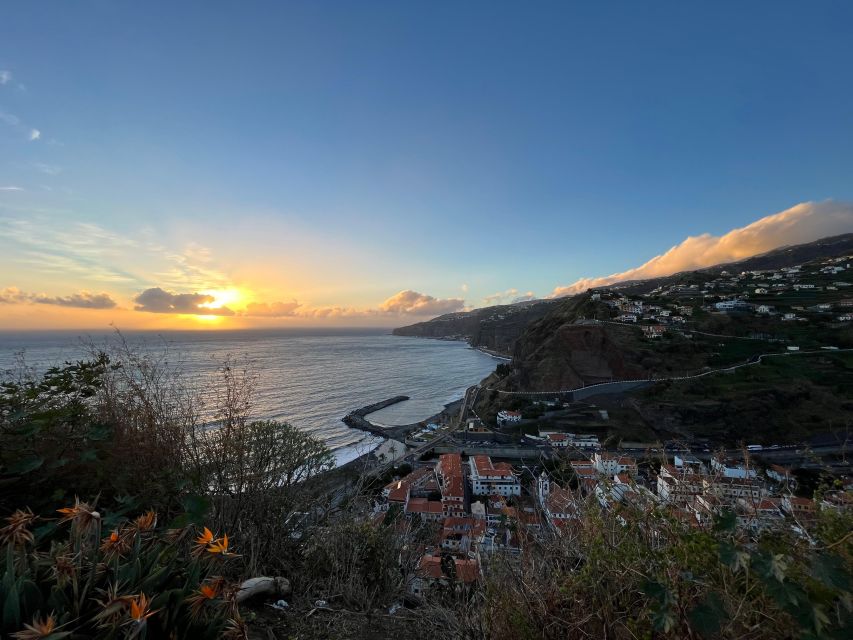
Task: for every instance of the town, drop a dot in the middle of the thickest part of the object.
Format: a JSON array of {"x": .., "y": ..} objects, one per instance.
[{"x": 467, "y": 510}]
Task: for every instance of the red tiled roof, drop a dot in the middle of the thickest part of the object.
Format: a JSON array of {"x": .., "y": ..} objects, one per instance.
[
  {"x": 484, "y": 467},
  {"x": 423, "y": 505}
]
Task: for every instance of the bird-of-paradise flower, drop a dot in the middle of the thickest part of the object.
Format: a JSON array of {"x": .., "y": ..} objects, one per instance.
[
  {"x": 220, "y": 546},
  {"x": 205, "y": 538},
  {"x": 205, "y": 595},
  {"x": 82, "y": 514},
  {"x": 113, "y": 606},
  {"x": 117, "y": 543},
  {"x": 40, "y": 629},
  {"x": 202, "y": 541},
  {"x": 17, "y": 532},
  {"x": 146, "y": 522},
  {"x": 140, "y": 609}
]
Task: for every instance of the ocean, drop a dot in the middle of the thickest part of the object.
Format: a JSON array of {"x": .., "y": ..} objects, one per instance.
[{"x": 310, "y": 378}]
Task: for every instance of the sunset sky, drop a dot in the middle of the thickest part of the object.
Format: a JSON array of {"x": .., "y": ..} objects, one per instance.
[{"x": 241, "y": 164}]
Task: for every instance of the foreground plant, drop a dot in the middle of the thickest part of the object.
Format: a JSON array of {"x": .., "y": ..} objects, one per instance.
[{"x": 136, "y": 581}]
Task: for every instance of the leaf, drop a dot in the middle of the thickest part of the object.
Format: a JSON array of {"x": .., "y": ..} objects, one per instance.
[
  {"x": 708, "y": 616},
  {"x": 89, "y": 455},
  {"x": 25, "y": 466},
  {"x": 829, "y": 569},
  {"x": 12, "y": 608}
]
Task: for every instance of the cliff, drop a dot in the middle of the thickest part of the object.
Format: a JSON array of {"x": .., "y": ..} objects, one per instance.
[{"x": 494, "y": 328}]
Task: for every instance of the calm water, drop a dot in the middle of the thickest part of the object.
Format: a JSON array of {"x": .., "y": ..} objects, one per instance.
[{"x": 309, "y": 378}]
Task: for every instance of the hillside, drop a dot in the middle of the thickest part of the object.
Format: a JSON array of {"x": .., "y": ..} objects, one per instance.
[
  {"x": 494, "y": 328},
  {"x": 498, "y": 327}
]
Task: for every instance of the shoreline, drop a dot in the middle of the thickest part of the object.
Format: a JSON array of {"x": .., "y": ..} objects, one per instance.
[{"x": 363, "y": 460}]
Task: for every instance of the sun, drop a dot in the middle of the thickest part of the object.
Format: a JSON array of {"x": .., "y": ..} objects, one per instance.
[{"x": 222, "y": 298}]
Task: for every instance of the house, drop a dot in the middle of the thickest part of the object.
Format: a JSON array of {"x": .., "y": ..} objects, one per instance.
[
  {"x": 690, "y": 461},
  {"x": 780, "y": 474},
  {"x": 457, "y": 533},
  {"x": 609, "y": 464},
  {"x": 761, "y": 291},
  {"x": 653, "y": 330},
  {"x": 731, "y": 468},
  {"x": 429, "y": 510},
  {"x": 626, "y": 317},
  {"x": 560, "y": 440},
  {"x": 797, "y": 507},
  {"x": 399, "y": 491},
  {"x": 764, "y": 309},
  {"x": 451, "y": 484},
  {"x": 558, "y": 504},
  {"x": 445, "y": 570},
  {"x": 490, "y": 479},
  {"x": 847, "y": 317},
  {"x": 729, "y": 490},
  {"x": 732, "y": 305},
  {"x": 678, "y": 484},
  {"x": 801, "y": 285},
  {"x": 508, "y": 417}
]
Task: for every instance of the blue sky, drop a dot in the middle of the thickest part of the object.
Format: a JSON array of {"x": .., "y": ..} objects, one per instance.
[{"x": 342, "y": 152}]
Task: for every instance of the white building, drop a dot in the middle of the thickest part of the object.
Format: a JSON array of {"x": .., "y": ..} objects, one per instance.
[
  {"x": 508, "y": 417},
  {"x": 609, "y": 464},
  {"x": 492, "y": 479},
  {"x": 731, "y": 468}
]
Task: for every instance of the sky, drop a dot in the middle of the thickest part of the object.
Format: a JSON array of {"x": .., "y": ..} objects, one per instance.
[{"x": 225, "y": 165}]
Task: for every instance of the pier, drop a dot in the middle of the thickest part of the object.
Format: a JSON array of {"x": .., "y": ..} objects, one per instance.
[{"x": 357, "y": 420}]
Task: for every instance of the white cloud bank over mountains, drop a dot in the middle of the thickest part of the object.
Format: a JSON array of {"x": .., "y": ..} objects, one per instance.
[{"x": 802, "y": 223}]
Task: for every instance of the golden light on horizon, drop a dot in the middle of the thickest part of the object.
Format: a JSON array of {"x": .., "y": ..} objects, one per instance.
[{"x": 223, "y": 298}]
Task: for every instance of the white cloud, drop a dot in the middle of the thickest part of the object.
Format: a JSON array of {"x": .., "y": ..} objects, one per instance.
[
  {"x": 10, "y": 119},
  {"x": 35, "y": 134},
  {"x": 508, "y": 297},
  {"x": 804, "y": 222},
  {"x": 47, "y": 169},
  {"x": 413, "y": 303},
  {"x": 5, "y": 76},
  {"x": 271, "y": 309},
  {"x": 11, "y": 189},
  {"x": 81, "y": 300}
]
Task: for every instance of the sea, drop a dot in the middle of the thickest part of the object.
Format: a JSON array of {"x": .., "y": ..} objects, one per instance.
[{"x": 310, "y": 378}]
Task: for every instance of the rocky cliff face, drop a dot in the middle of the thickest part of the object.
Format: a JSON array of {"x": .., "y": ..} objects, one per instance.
[{"x": 561, "y": 351}]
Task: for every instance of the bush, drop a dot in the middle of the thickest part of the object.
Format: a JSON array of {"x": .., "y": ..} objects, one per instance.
[{"x": 72, "y": 578}]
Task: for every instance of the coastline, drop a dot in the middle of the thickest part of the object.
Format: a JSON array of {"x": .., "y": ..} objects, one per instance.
[{"x": 360, "y": 463}]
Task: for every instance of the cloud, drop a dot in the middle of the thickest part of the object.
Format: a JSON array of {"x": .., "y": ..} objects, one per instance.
[
  {"x": 5, "y": 76},
  {"x": 271, "y": 309},
  {"x": 11, "y": 189},
  {"x": 157, "y": 300},
  {"x": 509, "y": 296},
  {"x": 804, "y": 222},
  {"x": 413, "y": 303},
  {"x": 10, "y": 119},
  {"x": 35, "y": 134},
  {"x": 81, "y": 300},
  {"x": 47, "y": 169}
]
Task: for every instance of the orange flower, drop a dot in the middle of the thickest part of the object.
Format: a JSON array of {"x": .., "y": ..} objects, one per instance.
[
  {"x": 146, "y": 521},
  {"x": 140, "y": 609},
  {"x": 205, "y": 595},
  {"x": 81, "y": 514},
  {"x": 38, "y": 629},
  {"x": 220, "y": 546},
  {"x": 205, "y": 538},
  {"x": 117, "y": 543}
]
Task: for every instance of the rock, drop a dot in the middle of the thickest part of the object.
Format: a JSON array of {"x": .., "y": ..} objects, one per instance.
[{"x": 263, "y": 586}]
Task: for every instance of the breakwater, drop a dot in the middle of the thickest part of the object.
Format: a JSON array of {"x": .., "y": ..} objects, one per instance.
[{"x": 357, "y": 420}]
